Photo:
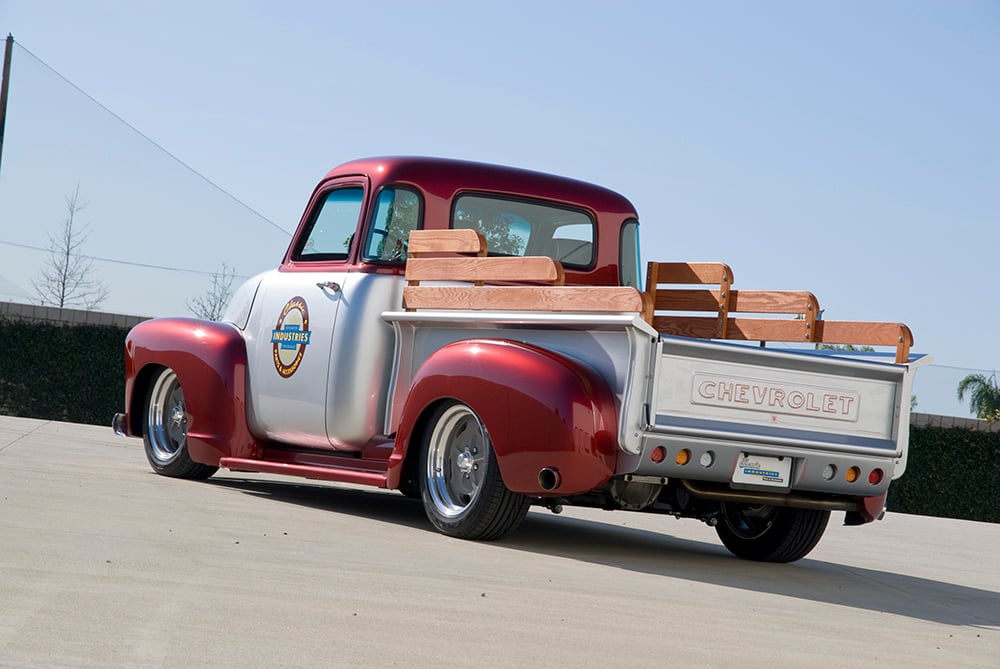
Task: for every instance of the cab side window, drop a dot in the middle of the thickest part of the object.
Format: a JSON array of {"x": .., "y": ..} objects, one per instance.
[
  {"x": 630, "y": 261},
  {"x": 331, "y": 230},
  {"x": 397, "y": 212}
]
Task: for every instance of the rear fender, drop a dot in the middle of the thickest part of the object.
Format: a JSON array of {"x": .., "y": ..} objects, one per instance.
[
  {"x": 210, "y": 362},
  {"x": 541, "y": 410}
]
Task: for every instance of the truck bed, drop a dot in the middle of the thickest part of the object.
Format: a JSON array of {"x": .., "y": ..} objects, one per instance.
[{"x": 692, "y": 408}]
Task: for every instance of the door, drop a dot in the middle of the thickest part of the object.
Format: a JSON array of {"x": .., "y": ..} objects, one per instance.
[{"x": 290, "y": 330}]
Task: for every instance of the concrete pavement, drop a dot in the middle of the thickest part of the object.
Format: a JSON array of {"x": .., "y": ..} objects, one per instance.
[{"x": 105, "y": 564}]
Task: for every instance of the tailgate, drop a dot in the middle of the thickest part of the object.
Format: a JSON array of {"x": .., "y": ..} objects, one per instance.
[{"x": 800, "y": 399}]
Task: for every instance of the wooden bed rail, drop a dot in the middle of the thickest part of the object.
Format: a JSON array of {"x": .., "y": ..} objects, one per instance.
[
  {"x": 539, "y": 279},
  {"x": 721, "y": 306}
]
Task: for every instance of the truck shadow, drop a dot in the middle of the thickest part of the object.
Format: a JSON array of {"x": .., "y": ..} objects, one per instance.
[
  {"x": 661, "y": 554},
  {"x": 815, "y": 580}
]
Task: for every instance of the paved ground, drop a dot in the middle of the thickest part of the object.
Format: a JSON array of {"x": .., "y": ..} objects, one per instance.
[{"x": 103, "y": 563}]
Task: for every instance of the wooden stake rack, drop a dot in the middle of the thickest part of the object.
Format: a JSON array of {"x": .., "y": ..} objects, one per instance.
[
  {"x": 536, "y": 283},
  {"x": 750, "y": 314},
  {"x": 460, "y": 255}
]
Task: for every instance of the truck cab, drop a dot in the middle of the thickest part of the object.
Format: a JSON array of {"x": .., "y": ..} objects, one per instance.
[{"x": 346, "y": 263}]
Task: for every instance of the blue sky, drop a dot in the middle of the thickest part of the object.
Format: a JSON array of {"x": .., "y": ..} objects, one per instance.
[{"x": 848, "y": 148}]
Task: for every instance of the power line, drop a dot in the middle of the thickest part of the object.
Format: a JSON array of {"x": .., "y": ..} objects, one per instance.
[
  {"x": 151, "y": 141},
  {"x": 124, "y": 262}
]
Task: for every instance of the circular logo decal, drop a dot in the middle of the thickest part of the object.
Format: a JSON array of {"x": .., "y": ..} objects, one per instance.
[{"x": 291, "y": 336}]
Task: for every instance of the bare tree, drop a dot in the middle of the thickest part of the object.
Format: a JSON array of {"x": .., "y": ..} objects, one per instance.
[
  {"x": 66, "y": 280},
  {"x": 211, "y": 304}
]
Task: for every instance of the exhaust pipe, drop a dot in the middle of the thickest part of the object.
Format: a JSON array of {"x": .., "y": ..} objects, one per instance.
[
  {"x": 774, "y": 499},
  {"x": 549, "y": 478},
  {"x": 120, "y": 424}
]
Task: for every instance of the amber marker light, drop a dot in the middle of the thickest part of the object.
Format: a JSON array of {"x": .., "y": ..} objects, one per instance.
[
  {"x": 852, "y": 474},
  {"x": 658, "y": 455},
  {"x": 683, "y": 457},
  {"x": 876, "y": 476}
]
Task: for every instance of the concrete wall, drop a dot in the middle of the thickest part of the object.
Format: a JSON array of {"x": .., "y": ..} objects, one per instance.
[
  {"x": 974, "y": 424},
  {"x": 13, "y": 311}
]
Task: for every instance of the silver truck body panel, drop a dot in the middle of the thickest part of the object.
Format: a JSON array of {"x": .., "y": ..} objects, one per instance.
[
  {"x": 617, "y": 346},
  {"x": 720, "y": 401},
  {"x": 336, "y": 397}
]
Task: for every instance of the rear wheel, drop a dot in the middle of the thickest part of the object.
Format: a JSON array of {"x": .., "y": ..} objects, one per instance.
[
  {"x": 460, "y": 484},
  {"x": 770, "y": 533},
  {"x": 165, "y": 433}
]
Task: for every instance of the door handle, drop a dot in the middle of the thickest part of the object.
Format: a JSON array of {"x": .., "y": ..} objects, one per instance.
[{"x": 332, "y": 286}]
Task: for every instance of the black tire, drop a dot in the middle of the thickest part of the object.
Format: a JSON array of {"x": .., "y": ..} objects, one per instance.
[
  {"x": 460, "y": 484},
  {"x": 165, "y": 430},
  {"x": 770, "y": 533}
]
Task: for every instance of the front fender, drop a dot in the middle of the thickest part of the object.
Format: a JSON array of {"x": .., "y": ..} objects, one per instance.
[
  {"x": 210, "y": 361},
  {"x": 540, "y": 409}
]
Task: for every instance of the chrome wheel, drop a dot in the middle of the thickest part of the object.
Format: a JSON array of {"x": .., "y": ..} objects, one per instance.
[
  {"x": 460, "y": 484},
  {"x": 748, "y": 522},
  {"x": 165, "y": 433},
  {"x": 456, "y": 460},
  {"x": 166, "y": 419}
]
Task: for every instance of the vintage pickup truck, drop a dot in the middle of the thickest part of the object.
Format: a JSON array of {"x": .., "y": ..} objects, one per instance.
[{"x": 480, "y": 337}]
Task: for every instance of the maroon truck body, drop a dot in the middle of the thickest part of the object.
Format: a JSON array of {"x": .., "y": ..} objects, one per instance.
[{"x": 317, "y": 371}]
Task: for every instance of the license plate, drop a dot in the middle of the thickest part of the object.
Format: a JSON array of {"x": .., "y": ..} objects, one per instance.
[{"x": 763, "y": 470}]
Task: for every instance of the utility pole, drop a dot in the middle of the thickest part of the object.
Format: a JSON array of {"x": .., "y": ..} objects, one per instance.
[{"x": 4, "y": 85}]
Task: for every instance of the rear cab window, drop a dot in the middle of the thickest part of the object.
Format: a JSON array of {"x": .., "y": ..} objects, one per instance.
[{"x": 524, "y": 227}]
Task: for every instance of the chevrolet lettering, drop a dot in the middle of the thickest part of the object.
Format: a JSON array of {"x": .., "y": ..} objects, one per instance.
[{"x": 771, "y": 396}]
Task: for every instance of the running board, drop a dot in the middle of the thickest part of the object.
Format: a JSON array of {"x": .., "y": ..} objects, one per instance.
[{"x": 309, "y": 471}]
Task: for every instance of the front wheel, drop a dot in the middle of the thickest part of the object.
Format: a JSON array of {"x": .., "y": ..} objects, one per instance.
[
  {"x": 770, "y": 533},
  {"x": 165, "y": 433},
  {"x": 460, "y": 484}
]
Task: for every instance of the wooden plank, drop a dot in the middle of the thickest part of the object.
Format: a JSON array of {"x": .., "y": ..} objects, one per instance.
[
  {"x": 867, "y": 333},
  {"x": 680, "y": 299},
  {"x": 525, "y": 298},
  {"x": 743, "y": 329},
  {"x": 773, "y": 302},
  {"x": 529, "y": 268},
  {"x": 745, "y": 301},
  {"x": 690, "y": 273},
  {"x": 858, "y": 333},
  {"x": 697, "y": 327},
  {"x": 446, "y": 241}
]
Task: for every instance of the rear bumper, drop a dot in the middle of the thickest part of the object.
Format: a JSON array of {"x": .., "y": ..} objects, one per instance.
[{"x": 714, "y": 460}]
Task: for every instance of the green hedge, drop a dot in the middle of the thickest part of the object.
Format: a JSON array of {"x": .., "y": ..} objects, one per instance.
[
  {"x": 62, "y": 372},
  {"x": 952, "y": 473},
  {"x": 77, "y": 374}
]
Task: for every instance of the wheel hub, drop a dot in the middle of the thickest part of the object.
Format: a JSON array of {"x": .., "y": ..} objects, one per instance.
[
  {"x": 179, "y": 418},
  {"x": 464, "y": 462}
]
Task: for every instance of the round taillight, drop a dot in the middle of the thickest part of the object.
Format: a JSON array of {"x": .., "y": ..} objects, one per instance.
[
  {"x": 876, "y": 476},
  {"x": 659, "y": 454}
]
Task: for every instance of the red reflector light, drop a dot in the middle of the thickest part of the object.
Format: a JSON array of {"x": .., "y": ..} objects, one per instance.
[
  {"x": 659, "y": 454},
  {"x": 876, "y": 476}
]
